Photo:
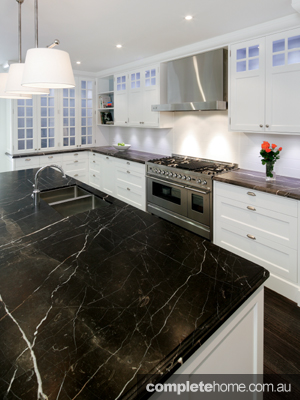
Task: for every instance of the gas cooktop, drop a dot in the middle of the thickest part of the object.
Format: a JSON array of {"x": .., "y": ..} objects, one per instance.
[{"x": 209, "y": 167}]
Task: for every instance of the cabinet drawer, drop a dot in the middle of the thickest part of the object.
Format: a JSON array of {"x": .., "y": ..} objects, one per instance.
[
  {"x": 74, "y": 165},
  {"x": 131, "y": 195},
  {"x": 94, "y": 164},
  {"x": 81, "y": 175},
  {"x": 279, "y": 260},
  {"x": 95, "y": 179},
  {"x": 80, "y": 155},
  {"x": 51, "y": 159},
  {"x": 27, "y": 162},
  {"x": 131, "y": 165},
  {"x": 129, "y": 176},
  {"x": 256, "y": 198},
  {"x": 276, "y": 227}
]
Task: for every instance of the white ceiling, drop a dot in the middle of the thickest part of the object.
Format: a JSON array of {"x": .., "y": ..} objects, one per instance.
[{"x": 90, "y": 29}]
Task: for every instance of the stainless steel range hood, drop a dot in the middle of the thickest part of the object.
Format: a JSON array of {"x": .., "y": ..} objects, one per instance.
[{"x": 197, "y": 83}]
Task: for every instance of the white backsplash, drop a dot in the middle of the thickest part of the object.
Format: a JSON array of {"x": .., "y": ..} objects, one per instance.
[{"x": 206, "y": 135}]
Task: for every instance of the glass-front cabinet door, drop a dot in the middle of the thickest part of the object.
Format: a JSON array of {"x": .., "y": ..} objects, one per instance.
[
  {"x": 247, "y": 86},
  {"x": 86, "y": 112},
  {"x": 47, "y": 135},
  {"x": 283, "y": 82},
  {"x": 24, "y": 139}
]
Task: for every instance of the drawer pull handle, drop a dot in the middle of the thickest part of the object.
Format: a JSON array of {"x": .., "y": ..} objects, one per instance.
[
  {"x": 251, "y": 237},
  {"x": 251, "y": 208},
  {"x": 50, "y": 156},
  {"x": 94, "y": 161},
  {"x": 75, "y": 154},
  {"x": 128, "y": 189},
  {"x": 76, "y": 175},
  {"x": 251, "y": 194},
  {"x": 128, "y": 162},
  {"x": 94, "y": 154},
  {"x": 128, "y": 172},
  {"x": 28, "y": 159},
  {"x": 75, "y": 161},
  {"x": 94, "y": 176},
  {"x": 107, "y": 158}
]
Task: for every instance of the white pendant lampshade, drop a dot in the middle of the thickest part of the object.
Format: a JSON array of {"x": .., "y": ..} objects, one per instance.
[
  {"x": 48, "y": 68},
  {"x": 14, "y": 80},
  {"x": 4, "y": 95}
]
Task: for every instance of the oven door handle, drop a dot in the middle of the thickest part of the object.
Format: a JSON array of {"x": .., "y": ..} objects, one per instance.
[
  {"x": 166, "y": 182},
  {"x": 198, "y": 191}
]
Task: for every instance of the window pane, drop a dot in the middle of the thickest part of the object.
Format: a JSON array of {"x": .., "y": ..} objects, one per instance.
[
  {"x": 29, "y": 144},
  {"x": 44, "y": 122},
  {"x": 51, "y": 142},
  {"x": 51, "y": 112},
  {"x": 21, "y": 123},
  {"x": 241, "y": 66},
  {"x": 90, "y": 94},
  {"x": 21, "y": 133},
  {"x": 72, "y": 112},
  {"x": 83, "y": 140},
  {"x": 83, "y": 121},
  {"x": 66, "y": 142},
  {"x": 89, "y": 138},
  {"x": 240, "y": 54},
  {"x": 83, "y": 94},
  {"x": 254, "y": 51},
  {"x": 72, "y": 141},
  {"x": 278, "y": 45},
  {"x": 29, "y": 133},
  {"x": 44, "y": 112},
  {"x": 293, "y": 42},
  {"x": 66, "y": 131},
  {"x": 44, "y": 101},
  {"x": 153, "y": 81},
  {"x": 72, "y": 93},
  {"x": 66, "y": 103},
  {"x": 29, "y": 122},
  {"x": 147, "y": 82},
  {"x": 147, "y": 74},
  {"x": 29, "y": 111},
  {"x": 43, "y": 143},
  {"x": 83, "y": 103},
  {"x": 21, "y": 111},
  {"x": 153, "y": 72},
  {"x": 44, "y": 132},
  {"x": 72, "y": 131},
  {"x": 21, "y": 144},
  {"x": 253, "y": 64},
  {"x": 90, "y": 85},
  {"x": 65, "y": 112},
  {"x": 72, "y": 102},
  {"x": 21, "y": 102},
  {"x": 83, "y": 131},
  {"x": 72, "y": 121},
  {"x": 83, "y": 84},
  {"x": 278, "y": 59},
  {"x": 65, "y": 93},
  {"x": 83, "y": 112},
  {"x": 51, "y": 132},
  {"x": 90, "y": 103},
  {"x": 294, "y": 57},
  {"x": 66, "y": 121}
]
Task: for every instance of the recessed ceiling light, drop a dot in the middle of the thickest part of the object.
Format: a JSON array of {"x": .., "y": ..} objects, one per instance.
[
  {"x": 118, "y": 46},
  {"x": 188, "y": 17},
  {"x": 78, "y": 62}
]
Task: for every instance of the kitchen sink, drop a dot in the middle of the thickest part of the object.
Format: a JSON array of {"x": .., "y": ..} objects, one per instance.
[{"x": 72, "y": 200}]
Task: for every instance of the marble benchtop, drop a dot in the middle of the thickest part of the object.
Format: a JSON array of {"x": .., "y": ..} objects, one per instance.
[
  {"x": 131, "y": 155},
  {"x": 90, "y": 301},
  {"x": 282, "y": 186}
]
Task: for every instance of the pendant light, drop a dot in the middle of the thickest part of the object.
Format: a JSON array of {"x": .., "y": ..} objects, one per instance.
[
  {"x": 47, "y": 67},
  {"x": 4, "y": 95},
  {"x": 16, "y": 70}
]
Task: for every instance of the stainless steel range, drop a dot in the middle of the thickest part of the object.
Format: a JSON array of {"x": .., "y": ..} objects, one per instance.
[{"x": 179, "y": 189}]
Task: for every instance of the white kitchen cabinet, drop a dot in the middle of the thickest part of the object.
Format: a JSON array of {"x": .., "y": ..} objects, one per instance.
[
  {"x": 76, "y": 165},
  {"x": 235, "y": 348},
  {"x": 64, "y": 119},
  {"x": 105, "y": 100},
  {"x": 130, "y": 183},
  {"x": 135, "y": 92},
  {"x": 121, "y": 100},
  {"x": 95, "y": 177},
  {"x": 265, "y": 84},
  {"x": 108, "y": 174},
  {"x": 51, "y": 159},
  {"x": 262, "y": 228}
]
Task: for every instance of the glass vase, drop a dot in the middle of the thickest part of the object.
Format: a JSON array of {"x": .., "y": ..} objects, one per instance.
[{"x": 270, "y": 171}]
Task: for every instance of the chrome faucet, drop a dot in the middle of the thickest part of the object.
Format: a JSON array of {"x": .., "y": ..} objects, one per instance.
[{"x": 36, "y": 192}]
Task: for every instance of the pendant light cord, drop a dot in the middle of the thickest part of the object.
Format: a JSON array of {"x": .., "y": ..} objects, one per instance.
[
  {"x": 36, "y": 22},
  {"x": 20, "y": 29}
]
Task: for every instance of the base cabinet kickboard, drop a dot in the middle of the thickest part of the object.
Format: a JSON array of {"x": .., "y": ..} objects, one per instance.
[{"x": 262, "y": 228}]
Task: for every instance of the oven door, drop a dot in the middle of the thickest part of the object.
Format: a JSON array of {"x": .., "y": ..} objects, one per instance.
[
  {"x": 199, "y": 205},
  {"x": 168, "y": 195}
]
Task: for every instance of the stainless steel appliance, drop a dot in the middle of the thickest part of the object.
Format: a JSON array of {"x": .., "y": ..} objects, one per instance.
[
  {"x": 197, "y": 83},
  {"x": 179, "y": 189}
]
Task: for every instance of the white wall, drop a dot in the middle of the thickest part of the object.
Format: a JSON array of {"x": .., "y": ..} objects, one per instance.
[{"x": 206, "y": 135}]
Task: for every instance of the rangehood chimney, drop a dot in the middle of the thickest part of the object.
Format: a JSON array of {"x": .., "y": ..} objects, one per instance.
[{"x": 197, "y": 83}]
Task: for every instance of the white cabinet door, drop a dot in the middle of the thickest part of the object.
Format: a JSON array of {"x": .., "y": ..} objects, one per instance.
[
  {"x": 283, "y": 82},
  {"x": 151, "y": 96},
  {"x": 247, "y": 86},
  {"x": 121, "y": 100},
  {"x": 108, "y": 174},
  {"x": 135, "y": 98},
  {"x": 24, "y": 127}
]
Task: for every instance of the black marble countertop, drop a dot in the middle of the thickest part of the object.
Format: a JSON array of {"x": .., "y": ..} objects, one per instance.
[
  {"x": 90, "y": 301},
  {"x": 282, "y": 186},
  {"x": 131, "y": 155}
]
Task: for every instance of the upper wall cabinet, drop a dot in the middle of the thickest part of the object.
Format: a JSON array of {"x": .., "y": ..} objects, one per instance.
[
  {"x": 265, "y": 84},
  {"x": 61, "y": 120},
  {"x": 135, "y": 92}
]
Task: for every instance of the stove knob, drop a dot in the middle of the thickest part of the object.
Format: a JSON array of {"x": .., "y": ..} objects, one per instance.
[
  {"x": 170, "y": 174},
  {"x": 162, "y": 172},
  {"x": 188, "y": 178},
  {"x": 158, "y": 171},
  {"x": 198, "y": 180},
  {"x": 174, "y": 175},
  {"x": 167, "y": 173},
  {"x": 178, "y": 176},
  {"x": 183, "y": 177},
  {"x": 204, "y": 183}
]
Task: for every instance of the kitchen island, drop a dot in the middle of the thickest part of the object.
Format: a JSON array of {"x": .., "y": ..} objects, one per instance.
[{"x": 90, "y": 301}]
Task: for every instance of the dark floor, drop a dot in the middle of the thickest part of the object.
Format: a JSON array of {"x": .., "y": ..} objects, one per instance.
[{"x": 282, "y": 345}]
